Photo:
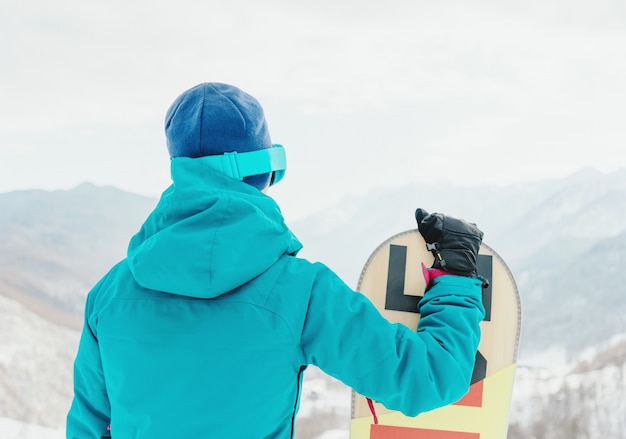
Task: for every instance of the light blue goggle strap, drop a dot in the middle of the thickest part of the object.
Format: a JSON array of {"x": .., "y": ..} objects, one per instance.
[{"x": 238, "y": 165}]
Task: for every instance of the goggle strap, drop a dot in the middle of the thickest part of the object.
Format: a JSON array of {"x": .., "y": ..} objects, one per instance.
[{"x": 238, "y": 165}]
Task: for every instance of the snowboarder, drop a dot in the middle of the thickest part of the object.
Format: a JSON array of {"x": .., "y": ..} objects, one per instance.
[{"x": 205, "y": 329}]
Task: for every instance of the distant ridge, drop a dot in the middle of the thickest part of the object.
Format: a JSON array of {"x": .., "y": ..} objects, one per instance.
[
  {"x": 564, "y": 240},
  {"x": 54, "y": 245}
]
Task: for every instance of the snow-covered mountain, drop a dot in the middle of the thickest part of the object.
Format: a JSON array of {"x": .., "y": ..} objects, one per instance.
[
  {"x": 564, "y": 240},
  {"x": 587, "y": 401}
]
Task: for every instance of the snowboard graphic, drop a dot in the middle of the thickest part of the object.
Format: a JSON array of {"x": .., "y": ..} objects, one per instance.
[{"x": 392, "y": 279}]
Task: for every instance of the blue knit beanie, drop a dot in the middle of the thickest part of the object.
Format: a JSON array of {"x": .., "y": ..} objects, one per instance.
[{"x": 214, "y": 118}]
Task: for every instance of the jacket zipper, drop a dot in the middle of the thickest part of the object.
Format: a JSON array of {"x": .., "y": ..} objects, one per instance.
[{"x": 295, "y": 405}]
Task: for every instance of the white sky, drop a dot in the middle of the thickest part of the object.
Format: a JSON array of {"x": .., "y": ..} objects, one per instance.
[{"x": 362, "y": 94}]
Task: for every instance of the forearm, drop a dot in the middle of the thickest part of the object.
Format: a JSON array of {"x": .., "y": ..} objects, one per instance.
[{"x": 451, "y": 312}]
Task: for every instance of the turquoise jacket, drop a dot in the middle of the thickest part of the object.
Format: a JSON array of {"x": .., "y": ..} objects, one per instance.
[{"x": 205, "y": 329}]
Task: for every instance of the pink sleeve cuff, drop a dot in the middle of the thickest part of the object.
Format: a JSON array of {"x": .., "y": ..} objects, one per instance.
[{"x": 431, "y": 273}]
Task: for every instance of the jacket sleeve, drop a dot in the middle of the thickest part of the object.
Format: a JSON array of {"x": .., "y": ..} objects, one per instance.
[
  {"x": 408, "y": 370},
  {"x": 90, "y": 413}
]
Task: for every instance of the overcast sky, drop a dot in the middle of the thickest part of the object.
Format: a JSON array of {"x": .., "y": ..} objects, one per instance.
[{"x": 362, "y": 94}]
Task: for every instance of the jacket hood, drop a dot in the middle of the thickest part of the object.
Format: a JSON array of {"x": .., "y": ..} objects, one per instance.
[{"x": 208, "y": 234}]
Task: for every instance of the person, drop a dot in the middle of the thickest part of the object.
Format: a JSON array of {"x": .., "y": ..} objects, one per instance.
[{"x": 206, "y": 327}]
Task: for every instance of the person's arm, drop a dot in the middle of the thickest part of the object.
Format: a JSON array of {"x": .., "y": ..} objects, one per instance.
[
  {"x": 406, "y": 370},
  {"x": 90, "y": 413}
]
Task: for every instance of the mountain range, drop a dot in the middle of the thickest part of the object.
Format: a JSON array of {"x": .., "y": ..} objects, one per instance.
[{"x": 564, "y": 240}]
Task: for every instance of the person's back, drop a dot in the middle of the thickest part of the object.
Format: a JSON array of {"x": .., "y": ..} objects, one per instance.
[{"x": 205, "y": 329}]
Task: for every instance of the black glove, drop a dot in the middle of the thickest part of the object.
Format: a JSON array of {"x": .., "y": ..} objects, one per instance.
[{"x": 454, "y": 242}]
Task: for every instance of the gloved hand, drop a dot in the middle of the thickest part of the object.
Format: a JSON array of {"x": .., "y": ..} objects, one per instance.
[{"x": 454, "y": 242}]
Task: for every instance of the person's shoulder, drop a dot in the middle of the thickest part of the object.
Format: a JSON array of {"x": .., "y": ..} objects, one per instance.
[
  {"x": 104, "y": 290},
  {"x": 297, "y": 266},
  {"x": 296, "y": 278}
]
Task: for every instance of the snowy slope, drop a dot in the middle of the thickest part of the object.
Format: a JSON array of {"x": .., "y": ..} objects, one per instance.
[
  {"x": 588, "y": 401},
  {"x": 35, "y": 366},
  {"x": 12, "y": 429}
]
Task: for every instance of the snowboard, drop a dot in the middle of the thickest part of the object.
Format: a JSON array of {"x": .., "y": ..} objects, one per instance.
[{"x": 392, "y": 279}]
